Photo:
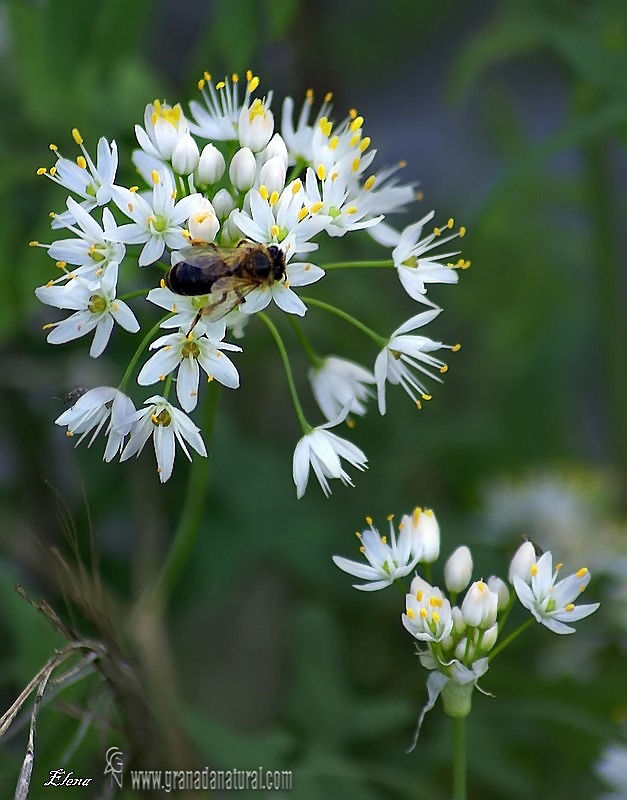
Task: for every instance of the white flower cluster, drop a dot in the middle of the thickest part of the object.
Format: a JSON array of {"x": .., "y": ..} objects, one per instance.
[
  {"x": 456, "y": 638},
  {"x": 215, "y": 177}
]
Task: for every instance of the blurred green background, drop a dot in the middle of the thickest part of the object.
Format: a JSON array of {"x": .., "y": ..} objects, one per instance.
[{"x": 512, "y": 115}]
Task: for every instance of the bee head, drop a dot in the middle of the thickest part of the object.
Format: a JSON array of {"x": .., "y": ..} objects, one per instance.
[{"x": 278, "y": 262}]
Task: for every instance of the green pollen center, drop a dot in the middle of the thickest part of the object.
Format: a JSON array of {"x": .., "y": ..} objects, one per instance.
[
  {"x": 96, "y": 253},
  {"x": 159, "y": 223},
  {"x": 550, "y": 605},
  {"x": 198, "y": 301},
  {"x": 411, "y": 262},
  {"x": 97, "y": 304},
  {"x": 190, "y": 349},
  {"x": 162, "y": 418},
  {"x": 395, "y": 354},
  {"x": 90, "y": 189},
  {"x": 334, "y": 212},
  {"x": 282, "y": 234}
]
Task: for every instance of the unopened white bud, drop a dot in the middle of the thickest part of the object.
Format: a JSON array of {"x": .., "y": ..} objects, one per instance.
[
  {"x": 203, "y": 224},
  {"x": 460, "y": 650},
  {"x": 276, "y": 147},
  {"x": 242, "y": 169},
  {"x": 459, "y": 624},
  {"x": 480, "y": 606},
  {"x": 500, "y": 588},
  {"x": 256, "y": 125},
  {"x": 272, "y": 174},
  {"x": 458, "y": 570},
  {"x": 426, "y": 534},
  {"x": 223, "y": 203},
  {"x": 520, "y": 565},
  {"x": 489, "y": 638},
  {"x": 211, "y": 165},
  {"x": 185, "y": 155}
]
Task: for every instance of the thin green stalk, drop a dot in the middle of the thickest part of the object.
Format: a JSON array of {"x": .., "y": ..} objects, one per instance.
[
  {"x": 313, "y": 357},
  {"x": 288, "y": 372},
  {"x": 191, "y": 513},
  {"x": 400, "y": 586},
  {"x": 386, "y": 263},
  {"x": 142, "y": 346},
  {"x": 136, "y": 293},
  {"x": 502, "y": 645},
  {"x": 459, "y": 758},
  {"x": 312, "y": 301}
]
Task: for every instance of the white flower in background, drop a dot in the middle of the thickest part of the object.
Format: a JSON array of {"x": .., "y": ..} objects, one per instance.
[
  {"x": 178, "y": 350},
  {"x": 425, "y": 533},
  {"x": 92, "y": 182},
  {"x": 324, "y": 451},
  {"x": 218, "y": 119},
  {"x": 386, "y": 561},
  {"x": 156, "y": 223},
  {"x": 96, "y": 307},
  {"x": 337, "y": 383},
  {"x": 612, "y": 769},
  {"x": 428, "y": 613},
  {"x": 403, "y": 351},
  {"x": 458, "y": 569},
  {"x": 299, "y": 137},
  {"x": 552, "y": 604},
  {"x": 256, "y": 125},
  {"x": 95, "y": 247},
  {"x": 164, "y": 127},
  {"x": 167, "y": 426},
  {"x": 417, "y": 266},
  {"x": 92, "y": 410}
]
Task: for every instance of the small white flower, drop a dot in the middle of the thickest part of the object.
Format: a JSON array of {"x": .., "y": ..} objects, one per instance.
[
  {"x": 96, "y": 307},
  {"x": 158, "y": 222},
  {"x": 219, "y": 118},
  {"x": 612, "y": 769},
  {"x": 480, "y": 606},
  {"x": 184, "y": 311},
  {"x": 164, "y": 127},
  {"x": 337, "y": 383},
  {"x": 425, "y": 533},
  {"x": 223, "y": 203},
  {"x": 522, "y": 561},
  {"x": 167, "y": 425},
  {"x": 323, "y": 451},
  {"x": 272, "y": 174},
  {"x": 256, "y": 125},
  {"x": 203, "y": 225},
  {"x": 242, "y": 169},
  {"x": 178, "y": 350},
  {"x": 551, "y": 603},
  {"x": 336, "y": 203},
  {"x": 500, "y": 587},
  {"x": 402, "y": 350},
  {"x": 458, "y": 569},
  {"x": 428, "y": 613},
  {"x": 92, "y": 410},
  {"x": 276, "y": 147},
  {"x": 211, "y": 165},
  {"x": 386, "y": 562},
  {"x": 299, "y": 138},
  {"x": 92, "y": 182},
  {"x": 185, "y": 155}
]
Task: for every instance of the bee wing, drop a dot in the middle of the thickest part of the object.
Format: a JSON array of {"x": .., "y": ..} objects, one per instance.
[{"x": 226, "y": 294}]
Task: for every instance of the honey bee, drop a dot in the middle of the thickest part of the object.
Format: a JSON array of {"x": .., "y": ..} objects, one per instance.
[{"x": 225, "y": 274}]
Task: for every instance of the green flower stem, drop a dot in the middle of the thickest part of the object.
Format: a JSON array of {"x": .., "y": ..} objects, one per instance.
[
  {"x": 459, "y": 758},
  {"x": 136, "y": 293},
  {"x": 288, "y": 372},
  {"x": 312, "y": 301},
  {"x": 386, "y": 263},
  {"x": 142, "y": 346},
  {"x": 168, "y": 384},
  {"x": 400, "y": 586},
  {"x": 502, "y": 645},
  {"x": 313, "y": 357},
  {"x": 191, "y": 513}
]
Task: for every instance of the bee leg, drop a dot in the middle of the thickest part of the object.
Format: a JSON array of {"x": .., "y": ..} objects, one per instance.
[{"x": 195, "y": 322}]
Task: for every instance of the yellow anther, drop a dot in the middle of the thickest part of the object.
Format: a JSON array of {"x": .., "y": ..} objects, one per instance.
[
  {"x": 569, "y": 607},
  {"x": 235, "y": 77},
  {"x": 558, "y": 566},
  {"x": 419, "y": 595},
  {"x": 249, "y": 75},
  {"x": 81, "y": 162},
  {"x": 362, "y": 549},
  {"x": 53, "y": 171},
  {"x": 351, "y": 210},
  {"x": 49, "y": 284},
  {"x": 444, "y": 368},
  {"x": 583, "y": 571},
  {"x": 42, "y": 171},
  {"x": 435, "y": 602},
  {"x": 201, "y": 84},
  {"x": 534, "y": 569},
  {"x": 354, "y": 140},
  {"x": 462, "y": 232},
  {"x": 69, "y": 434},
  {"x": 418, "y": 405},
  {"x": 435, "y": 617},
  {"x": 34, "y": 243},
  {"x": 355, "y": 164},
  {"x": 47, "y": 326},
  {"x": 321, "y": 171},
  {"x": 309, "y": 96},
  {"x": 369, "y": 182},
  {"x": 76, "y": 136},
  {"x": 426, "y": 396},
  {"x": 352, "y": 113},
  {"x": 410, "y": 613},
  {"x": 328, "y": 97},
  {"x": 220, "y": 85},
  {"x": 162, "y": 283},
  {"x": 456, "y": 347},
  {"x": 333, "y": 142},
  {"x": 350, "y": 422},
  {"x": 61, "y": 264},
  {"x": 356, "y": 124},
  {"x": 133, "y": 189},
  {"x": 450, "y": 223},
  {"x": 358, "y": 534},
  {"x": 156, "y": 178},
  {"x": 263, "y": 191},
  {"x": 253, "y": 83},
  {"x": 423, "y": 613},
  {"x": 437, "y": 231},
  {"x": 316, "y": 207},
  {"x": 365, "y": 143},
  {"x": 420, "y": 196},
  {"x": 161, "y": 377},
  {"x": 302, "y": 214},
  {"x": 390, "y": 517},
  {"x": 384, "y": 540},
  {"x": 297, "y": 186},
  {"x": 207, "y": 76},
  {"x": 53, "y": 147},
  {"x": 274, "y": 230},
  {"x": 51, "y": 214},
  {"x": 402, "y": 163},
  {"x": 274, "y": 198},
  {"x": 368, "y": 520}
]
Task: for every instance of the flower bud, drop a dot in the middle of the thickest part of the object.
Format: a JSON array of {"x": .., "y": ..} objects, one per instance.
[
  {"x": 203, "y": 224},
  {"x": 459, "y": 624},
  {"x": 272, "y": 174},
  {"x": 185, "y": 155},
  {"x": 520, "y": 565},
  {"x": 458, "y": 570},
  {"x": 489, "y": 638},
  {"x": 426, "y": 534},
  {"x": 460, "y": 649},
  {"x": 480, "y": 606},
  {"x": 256, "y": 125},
  {"x": 223, "y": 203},
  {"x": 242, "y": 169},
  {"x": 500, "y": 588},
  {"x": 211, "y": 165},
  {"x": 276, "y": 147}
]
